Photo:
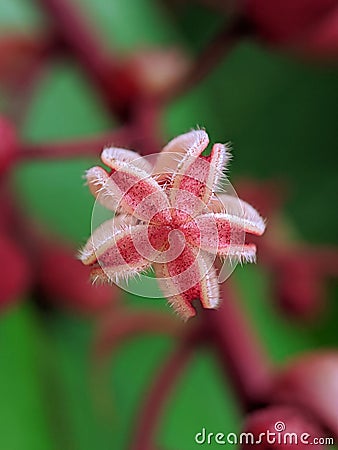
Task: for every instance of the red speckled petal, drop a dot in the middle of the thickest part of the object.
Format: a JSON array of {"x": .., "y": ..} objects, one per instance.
[
  {"x": 189, "y": 277},
  {"x": 200, "y": 177},
  {"x": 137, "y": 193},
  {"x": 224, "y": 203},
  {"x": 104, "y": 233},
  {"x": 124, "y": 253},
  {"x": 222, "y": 234}
]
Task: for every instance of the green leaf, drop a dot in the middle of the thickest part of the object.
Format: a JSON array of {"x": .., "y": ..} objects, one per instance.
[{"x": 23, "y": 411}]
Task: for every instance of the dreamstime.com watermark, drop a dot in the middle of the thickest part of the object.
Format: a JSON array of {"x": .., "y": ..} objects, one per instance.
[{"x": 279, "y": 436}]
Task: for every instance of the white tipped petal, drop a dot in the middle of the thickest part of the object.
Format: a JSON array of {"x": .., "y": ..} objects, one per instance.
[
  {"x": 184, "y": 146},
  {"x": 100, "y": 186},
  {"x": 112, "y": 154},
  {"x": 224, "y": 203}
]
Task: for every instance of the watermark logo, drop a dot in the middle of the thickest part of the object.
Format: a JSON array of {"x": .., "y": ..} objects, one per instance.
[
  {"x": 280, "y": 436},
  {"x": 280, "y": 426}
]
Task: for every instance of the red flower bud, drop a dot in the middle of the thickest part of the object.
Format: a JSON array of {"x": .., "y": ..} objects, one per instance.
[
  {"x": 15, "y": 272},
  {"x": 8, "y": 144},
  {"x": 310, "y": 26},
  {"x": 312, "y": 382},
  {"x": 65, "y": 280},
  {"x": 280, "y": 427},
  {"x": 157, "y": 70},
  {"x": 299, "y": 288},
  {"x": 267, "y": 196}
]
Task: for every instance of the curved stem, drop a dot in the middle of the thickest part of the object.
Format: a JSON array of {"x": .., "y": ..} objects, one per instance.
[
  {"x": 116, "y": 328},
  {"x": 155, "y": 400},
  {"x": 102, "y": 67},
  {"x": 126, "y": 324},
  {"x": 77, "y": 34},
  {"x": 239, "y": 350},
  {"x": 22, "y": 83},
  {"x": 82, "y": 147}
]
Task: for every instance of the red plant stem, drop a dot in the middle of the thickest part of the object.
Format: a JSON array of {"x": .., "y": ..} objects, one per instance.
[
  {"x": 122, "y": 325},
  {"x": 82, "y": 147},
  {"x": 155, "y": 400},
  {"x": 239, "y": 350},
  {"x": 26, "y": 82},
  {"x": 77, "y": 34},
  {"x": 146, "y": 117},
  {"x": 102, "y": 68},
  {"x": 116, "y": 328}
]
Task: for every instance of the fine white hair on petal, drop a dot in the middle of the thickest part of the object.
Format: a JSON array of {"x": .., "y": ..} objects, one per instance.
[
  {"x": 210, "y": 297},
  {"x": 183, "y": 146},
  {"x": 228, "y": 204},
  {"x": 103, "y": 234},
  {"x": 116, "y": 253},
  {"x": 111, "y": 154},
  {"x": 110, "y": 276},
  {"x": 135, "y": 191},
  {"x": 245, "y": 253},
  {"x": 101, "y": 187},
  {"x": 219, "y": 158},
  {"x": 181, "y": 306}
]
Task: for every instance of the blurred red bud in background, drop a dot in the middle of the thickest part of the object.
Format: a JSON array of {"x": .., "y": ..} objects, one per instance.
[
  {"x": 157, "y": 70},
  {"x": 309, "y": 26},
  {"x": 266, "y": 196},
  {"x": 279, "y": 421},
  {"x": 299, "y": 287},
  {"x": 312, "y": 382},
  {"x": 66, "y": 281}
]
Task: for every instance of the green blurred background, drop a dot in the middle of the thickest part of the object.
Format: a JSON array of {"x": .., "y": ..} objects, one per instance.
[{"x": 281, "y": 117}]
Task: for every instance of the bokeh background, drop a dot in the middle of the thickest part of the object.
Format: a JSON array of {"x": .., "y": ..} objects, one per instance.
[{"x": 279, "y": 112}]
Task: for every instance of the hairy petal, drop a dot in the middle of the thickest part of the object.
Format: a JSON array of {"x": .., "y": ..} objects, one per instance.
[
  {"x": 179, "y": 149},
  {"x": 112, "y": 154},
  {"x": 119, "y": 253},
  {"x": 222, "y": 234},
  {"x": 200, "y": 178},
  {"x": 241, "y": 252},
  {"x": 224, "y": 203},
  {"x": 100, "y": 186},
  {"x": 137, "y": 193},
  {"x": 218, "y": 160},
  {"x": 103, "y": 234},
  {"x": 99, "y": 276},
  {"x": 189, "y": 277}
]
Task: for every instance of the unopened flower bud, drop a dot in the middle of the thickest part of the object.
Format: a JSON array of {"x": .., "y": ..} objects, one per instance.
[
  {"x": 312, "y": 382},
  {"x": 280, "y": 427},
  {"x": 308, "y": 26},
  {"x": 157, "y": 70},
  {"x": 64, "y": 280},
  {"x": 299, "y": 288}
]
